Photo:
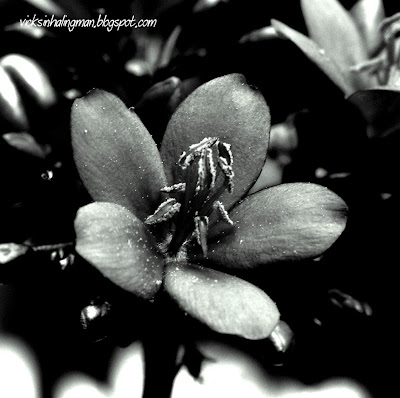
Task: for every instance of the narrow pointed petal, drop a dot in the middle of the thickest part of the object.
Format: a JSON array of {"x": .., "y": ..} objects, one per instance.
[
  {"x": 368, "y": 15},
  {"x": 331, "y": 26},
  {"x": 118, "y": 244},
  {"x": 315, "y": 54},
  {"x": 265, "y": 33},
  {"x": 223, "y": 302},
  {"x": 282, "y": 223},
  {"x": 116, "y": 158},
  {"x": 234, "y": 112}
]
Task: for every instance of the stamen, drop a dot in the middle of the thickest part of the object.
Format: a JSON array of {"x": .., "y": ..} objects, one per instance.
[
  {"x": 200, "y": 196},
  {"x": 176, "y": 188},
  {"x": 164, "y": 212},
  {"x": 212, "y": 168},
  {"x": 186, "y": 159},
  {"x": 225, "y": 160},
  {"x": 163, "y": 245},
  {"x": 219, "y": 207},
  {"x": 390, "y": 27},
  {"x": 371, "y": 66},
  {"x": 206, "y": 171},
  {"x": 228, "y": 171},
  {"x": 201, "y": 226},
  {"x": 177, "y": 258},
  {"x": 224, "y": 150},
  {"x": 389, "y": 21}
]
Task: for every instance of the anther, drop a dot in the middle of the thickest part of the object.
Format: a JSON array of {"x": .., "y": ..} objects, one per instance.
[
  {"x": 195, "y": 150},
  {"x": 164, "y": 212},
  {"x": 225, "y": 160},
  {"x": 201, "y": 226},
  {"x": 176, "y": 188},
  {"x": 206, "y": 171},
  {"x": 219, "y": 207}
]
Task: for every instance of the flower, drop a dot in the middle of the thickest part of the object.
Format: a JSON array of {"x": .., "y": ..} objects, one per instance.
[
  {"x": 358, "y": 50},
  {"x": 141, "y": 240},
  {"x": 344, "y": 43}
]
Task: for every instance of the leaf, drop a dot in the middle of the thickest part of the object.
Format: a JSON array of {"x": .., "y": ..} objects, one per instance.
[
  {"x": 223, "y": 302},
  {"x": 31, "y": 77},
  {"x": 315, "y": 54},
  {"x": 333, "y": 29},
  {"x": 34, "y": 32},
  {"x": 169, "y": 48},
  {"x": 11, "y": 108},
  {"x": 205, "y": 5},
  {"x": 265, "y": 33},
  {"x": 47, "y": 6},
  {"x": 26, "y": 143},
  {"x": 11, "y": 251}
]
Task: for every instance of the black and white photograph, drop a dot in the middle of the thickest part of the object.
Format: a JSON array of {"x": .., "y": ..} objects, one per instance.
[{"x": 199, "y": 198}]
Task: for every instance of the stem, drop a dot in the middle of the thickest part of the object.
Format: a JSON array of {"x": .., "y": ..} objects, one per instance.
[
  {"x": 48, "y": 248},
  {"x": 160, "y": 367},
  {"x": 161, "y": 345}
]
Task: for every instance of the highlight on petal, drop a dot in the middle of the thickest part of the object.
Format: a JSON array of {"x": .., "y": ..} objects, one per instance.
[
  {"x": 223, "y": 302},
  {"x": 116, "y": 158},
  {"x": 118, "y": 244},
  {"x": 331, "y": 26},
  {"x": 231, "y": 110},
  {"x": 315, "y": 54},
  {"x": 11, "y": 107},
  {"x": 282, "y": 223},
  {"x": 31, "y": 77},
  {"x": 368, "y": 15}
]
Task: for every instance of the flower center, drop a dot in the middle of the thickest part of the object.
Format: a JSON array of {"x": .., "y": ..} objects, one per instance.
[{"x": 187, "y": 210}]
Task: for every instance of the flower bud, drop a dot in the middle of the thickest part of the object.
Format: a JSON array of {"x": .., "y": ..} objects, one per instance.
[{"x": 95, "y": 319}]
